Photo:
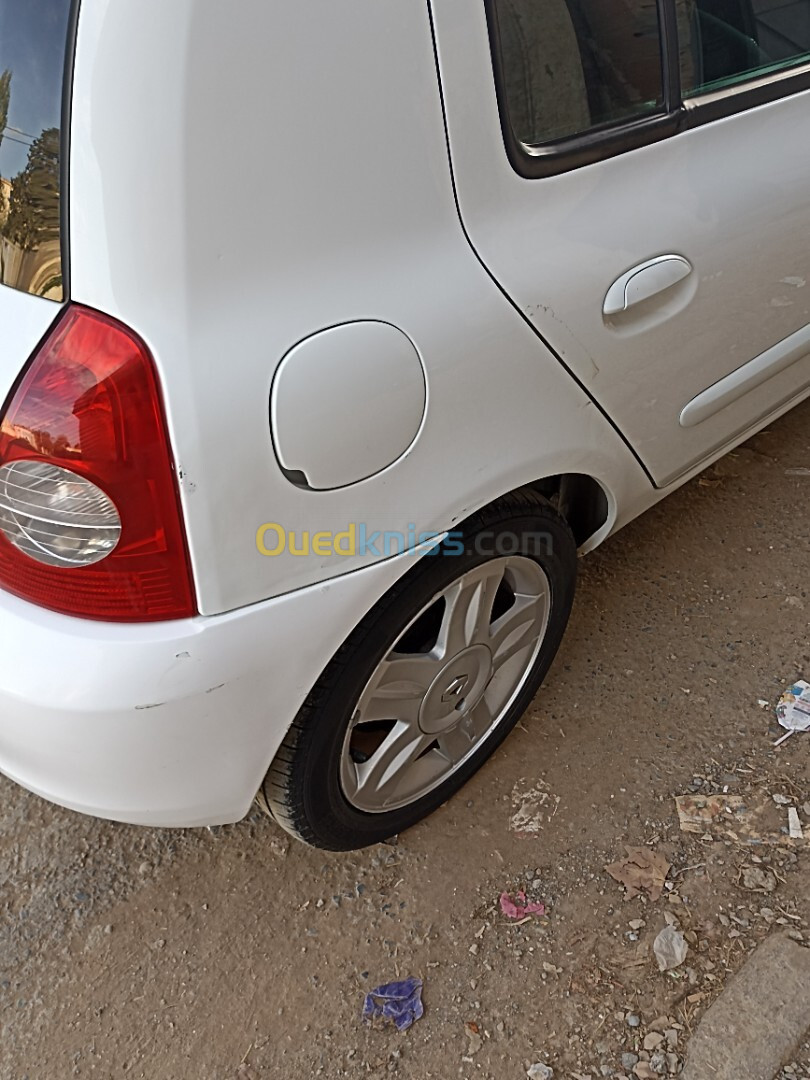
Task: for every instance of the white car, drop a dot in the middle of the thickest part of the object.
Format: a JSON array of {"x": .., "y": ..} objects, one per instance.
[{"x": 332, "y": 331}]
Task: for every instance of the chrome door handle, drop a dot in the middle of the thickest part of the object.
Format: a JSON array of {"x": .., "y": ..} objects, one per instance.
[{"x": 644, "y": 281}]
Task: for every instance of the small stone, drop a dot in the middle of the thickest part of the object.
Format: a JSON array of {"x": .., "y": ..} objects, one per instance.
[
  {"x": 629, "y": 1061},
  {"x": 145, "y": 868},
  {"x": 644, "y": 1071},
  {"x": 658, "y": 1064},
  {"x": 637, "y": 924},
  {"x": 632, "y": 1020},
  {"x": 758, "y": 879},
  {"x": 661, "y": 1023},
  {"x": 280, "y": 846},
  {"x": 540, "y": 1071},
  {"x": 474, "y": 948},
  {"x": 672, "y": 1038},
  {"x": 673, "y": 1064},
  {"x": 653, "y": 1040}
]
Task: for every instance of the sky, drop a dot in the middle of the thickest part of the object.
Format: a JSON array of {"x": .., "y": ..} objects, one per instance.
[{"x": 33, "y": 36}]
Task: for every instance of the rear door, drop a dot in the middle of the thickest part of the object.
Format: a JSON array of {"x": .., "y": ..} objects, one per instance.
[{"x": 636, "y": 176}]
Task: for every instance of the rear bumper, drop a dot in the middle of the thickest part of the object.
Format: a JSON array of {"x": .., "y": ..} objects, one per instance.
[{"x": 170, "y": 724}]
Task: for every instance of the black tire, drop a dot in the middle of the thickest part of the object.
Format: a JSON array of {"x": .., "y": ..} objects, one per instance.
[{"x": 302, "y": 788}]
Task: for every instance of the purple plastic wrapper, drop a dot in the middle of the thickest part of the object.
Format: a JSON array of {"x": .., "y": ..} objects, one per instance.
[{"x": 399, "y": 1003}]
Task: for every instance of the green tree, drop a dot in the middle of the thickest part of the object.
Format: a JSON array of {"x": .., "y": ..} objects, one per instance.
[
  {"x": 33, "y": 216},
  {"x": 5, "y": 98}
]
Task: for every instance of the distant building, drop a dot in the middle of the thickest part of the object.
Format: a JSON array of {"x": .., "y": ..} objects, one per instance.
[{"x": 5, "y": 200}]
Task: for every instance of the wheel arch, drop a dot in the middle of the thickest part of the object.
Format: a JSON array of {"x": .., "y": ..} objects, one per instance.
[{"x": 581, "y": 499}]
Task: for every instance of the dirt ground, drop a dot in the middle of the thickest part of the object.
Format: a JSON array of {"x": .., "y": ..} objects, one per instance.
[{"x": 232, "y": 953}]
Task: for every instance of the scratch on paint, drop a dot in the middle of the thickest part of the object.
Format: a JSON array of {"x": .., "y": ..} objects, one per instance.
[{"x": 532, "y": 311}]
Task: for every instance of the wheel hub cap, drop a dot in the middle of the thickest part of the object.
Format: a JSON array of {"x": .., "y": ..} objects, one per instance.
[
  {"x": 446, "y": 683},
  {"x": 456, "y": 690}
]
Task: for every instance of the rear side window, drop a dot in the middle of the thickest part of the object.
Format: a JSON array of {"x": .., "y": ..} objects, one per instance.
[
  {"x": 33, "y": 61},
  {"x": 571, "y": 66},
  {"x": 724, "y": 42}
]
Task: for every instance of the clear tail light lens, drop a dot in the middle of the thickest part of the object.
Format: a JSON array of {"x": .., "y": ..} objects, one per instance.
[
  {"x": 90, "y": 519},
  {"x": 56, "y": 516}
]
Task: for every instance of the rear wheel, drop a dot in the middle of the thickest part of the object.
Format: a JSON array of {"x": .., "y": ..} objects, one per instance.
[{"x": 430, "y": 682}]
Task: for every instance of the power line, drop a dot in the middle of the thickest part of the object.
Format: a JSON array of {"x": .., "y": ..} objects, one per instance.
[
  {"x": 18, "y": 141},
  {"x": 25, "y": 134}
]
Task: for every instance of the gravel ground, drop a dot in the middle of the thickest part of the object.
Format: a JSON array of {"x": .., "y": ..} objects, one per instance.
[{"x": 232, "y": 953}]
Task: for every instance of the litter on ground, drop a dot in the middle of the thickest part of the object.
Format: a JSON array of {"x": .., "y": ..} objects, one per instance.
[
  {"x": 670, "y": 949},
  {"x": 730, "y": 817},
  {"x": 475, "y": 1042},
  {"x": 519, "y": 908},
  {"x": 701, "y": 813},
  {"x": 793, "y": 709},
  {"x": 533, "y": 806},
  {"x": 399, "y": 1003},
  {"x": 642, "y": 870}
]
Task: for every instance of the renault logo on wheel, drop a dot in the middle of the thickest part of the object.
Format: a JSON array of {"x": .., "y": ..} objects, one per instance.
[{"x": 456, "y": 688}]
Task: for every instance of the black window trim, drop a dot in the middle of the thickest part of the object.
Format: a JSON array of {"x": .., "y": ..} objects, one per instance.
[
  {"x": 66, "y": 136},
  {"x": 677, "y": 114}
]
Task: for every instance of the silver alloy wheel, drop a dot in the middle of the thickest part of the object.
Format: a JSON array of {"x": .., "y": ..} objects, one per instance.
[{"x": 430, "y": 704}]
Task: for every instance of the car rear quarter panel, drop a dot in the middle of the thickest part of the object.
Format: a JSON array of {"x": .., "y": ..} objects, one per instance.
[{"x": 243, "y": 176}]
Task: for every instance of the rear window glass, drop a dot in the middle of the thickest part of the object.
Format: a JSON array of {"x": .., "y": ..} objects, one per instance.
[
  {"x": 33, "y": 51},
  {"x": 724, "y": 42},
  {"x": 570, "y": 66}
]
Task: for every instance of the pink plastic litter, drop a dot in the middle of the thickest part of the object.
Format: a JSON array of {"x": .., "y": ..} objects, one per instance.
[{"x": 519, "y": 908}]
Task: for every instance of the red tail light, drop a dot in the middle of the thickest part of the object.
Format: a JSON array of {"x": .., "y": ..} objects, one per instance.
[{"x": 90, "y": 519}]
